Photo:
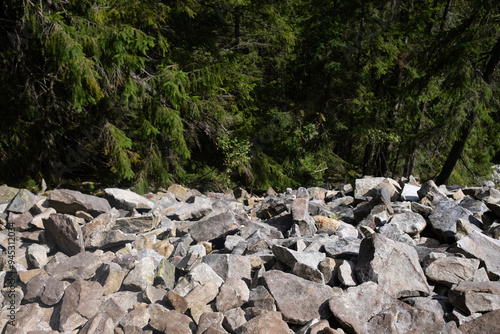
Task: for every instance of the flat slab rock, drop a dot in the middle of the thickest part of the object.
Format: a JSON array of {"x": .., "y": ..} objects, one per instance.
[
  {"x": 371, "y": 310},
  {"x": 298, "y": 299}
]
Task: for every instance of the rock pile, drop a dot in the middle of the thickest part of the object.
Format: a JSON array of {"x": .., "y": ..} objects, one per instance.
[{"x": 380, "y": 257}]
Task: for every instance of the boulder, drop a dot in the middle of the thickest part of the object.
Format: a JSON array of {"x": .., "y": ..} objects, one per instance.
[
  {"x": 127, "y": 200},
  {"x": 65, "y": 231},
  {"x": 71, "y": 201},
  {"x": 80, "y": 266},
  {"x": 409, "y": 222},
  {"x": 299, "y": 300},
  {"x": 233, "y": 293},
  {"x": 482, "y": 247},
  {"x": 372, "y": 310},
  {"x": 142, "y": 276},
  {"x": 266, "y": 323},
  {"x": 22, "y": 202},
  {"x": 194, "y": 210},
  {"x": 214, "y": 227},
  {"x": 472, "y": 297},
  {"x": 393, "y": 265},
  {"x": 451, "y": 270},
  {"x": 487, "y": 323},
  {"x": 229, "y": 265},
  {"x": 167, "y": 321}
]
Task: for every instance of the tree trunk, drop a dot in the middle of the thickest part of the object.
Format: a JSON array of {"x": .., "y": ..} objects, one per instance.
[{"x": 457, "y": 149}]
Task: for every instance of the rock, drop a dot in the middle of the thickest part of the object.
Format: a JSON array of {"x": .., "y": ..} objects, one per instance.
[
  {"x": 430, "y": 190},
  {"x": 229, "y": 265},
  {"x": 265, "y": 323},
  {"x": 22, "y": 202},
  {"x": 110, "y": 275},
  {"x": 487, "y": 323},
  {"x": 71, "y": 201},
  {"x": 95, "y": 232},
  {"x": 165, "y": 274},
  {"x": 472, "y": 297},
  {"x": 393, "y": 265},
  {"x": 127, "y": 200},
  {"x": 37, "y": 220},
  {"x": 291, "y": 257},
  {"x": 299, "y": 300},
  {"x": 410, "y": 222},
  {"x": 261, "y": 298},
  {"x": 53, "y": 291},
  {"x": 64, "y": 230},
  {"x": 233, "y": 293},
  {"x": 300, "y": 214},
  {"x": 482, "y": 247},
  {"x": 180, "y": 193},
  {"x": 99, "y": 323},
  {"x": 410, "y": 193},
  {"x": 326, "y": 223},
  {"x": 342, "y": 248},
  {"x": 139, "y": 317},
  {"x": 394, "y": 232},
  {"x": 451, "y": 270},
  {"x": 437, "y": 304},
  {"x": 178, "y": 302},
  {"x": 444, "y": 217},
  {"x": 80, "y": 266},
  {"x": 202, "y": 294},
  {"x": 372, "y": 310},
  {"x": 211, "y": 323},
  {"x": 37, "y": 255},
  {"x": 195, "y": 210},
  {"x": 7, "y": 194},
  {"x": 138, "y": 224},
  {"x": 35, "y": 286},
  {"x": 27, "y": 318},
  {"x": 346, "y": 274},
  {"x": 142, "y": 276},
  {"x": 81, "y": 302},
  {"x": 166, "y": 321},
  {"x": 20, "y": 222},
  {"x": 363, "y": 187},
  {"x": 214, "y": 227}
]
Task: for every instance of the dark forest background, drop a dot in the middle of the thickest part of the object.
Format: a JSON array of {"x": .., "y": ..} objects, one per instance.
[{"x": 262, "y": 93}]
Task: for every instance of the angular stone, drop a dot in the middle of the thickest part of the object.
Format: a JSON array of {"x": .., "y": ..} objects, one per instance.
[
  {"x": 300, "y": 214},
  {"x": 179, "y": 192},
  {"x": 444, "y": 217},
  {"x": 342, "y": 248},
  {"x": 229, "y": 265},
  {"x": 26, "y": 318},
  {"x": 266, "y": 323},
  {"x": 118, "y": 304},
  {"x": 139, "y": 317},
  {"x": 261, "y": 298},
  {"x": 211, "y": 322},
  {"x": 178, "y": 302},
  {"x": 299, "y": 300},
  {"x": 127, "y": 200},
  {"x": 53, "y": 291},
  {"x": 166, "y": 321},
  {"x": 20, "y": 221},
  {"x": 35, "y": 286},
  {"x": 22, "y": 202},
  {"x": 326, "y": 223},
  {"x": 472, "y": 297},
  {"x": 307, "y": 272},
  {"x": 410, "y": 222},
  {"x": 37, "y": 255},
  {"x": 138, "y": 224},
  {"x": 80, "y": 266},
  {"x": 437, "y": 304},
  {"x": 71, "y": 201},
  {"x": 165, "y": 274},
  {"x": 394, "y": 232},
  {"x": 363, "y": 187},
  {"x": 451, "y": 270},
  {"x": 110, "y": 275},
  {"x": 142, "y": 276},
  {"x": 202, "y": 294},
  {"x": 195, "y": 210},
  {"x": 290, "y": 257},
  {"x": 482, "y": 247},
  {"x": 233, "y": 293},
  {"x": 372, "y": 310},
  {"x": 99, "y": 323},
  {"x": 7, "y": 194},
  {"x": 410, "y": 193},
  {"x": 346, "y": 274},
  {"x": 81, "y": 302},
  {"x": 393, "y": 265},
  {"x": 37, "y": 220},
  {"x": 64, "y": 230},
  {"x": 487, "y": 323},
  {"x": 95, "y": 231},
  {"x": 214, "y": 227},
  {"x": 430, "y": 190}
]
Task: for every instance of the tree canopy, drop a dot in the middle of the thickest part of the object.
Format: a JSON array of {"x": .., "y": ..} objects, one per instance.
[{"x": 218, "y": 93}]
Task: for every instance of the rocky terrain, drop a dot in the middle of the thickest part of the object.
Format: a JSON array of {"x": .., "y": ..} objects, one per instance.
[{"x": 378, "y": 257}]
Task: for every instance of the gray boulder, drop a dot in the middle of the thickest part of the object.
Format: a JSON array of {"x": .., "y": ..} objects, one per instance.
[
  {"x": 410, "y": 222},
  {"x": 71, "y": 201},
  {"x": 393, "y": 265},
  {"x": 451, "y": 270},
  {"x": 127, "y": 200},
  {"x": 472, "y": 297},
  {"x": 298, "y": 300},
  {"x": 142, "y": 276},
  {"x": 22, "y": 202},
  {"x": 65, "y": 231},
  {"x": 482, "y": 247},
  {"x": 214, "y": 227}
]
